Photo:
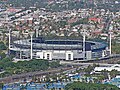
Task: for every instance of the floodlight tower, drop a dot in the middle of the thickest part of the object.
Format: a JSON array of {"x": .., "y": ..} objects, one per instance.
[
  {"x": 110, "y": 40},
  {"x": 31, "y": 49},
  {"x": 9, "y": 35},
  {"x": 36, "y": 28},
  {"x": 84, "y": 44},
  {"x": 37, "y": 23},
  {"x": 110, "y": 43}
]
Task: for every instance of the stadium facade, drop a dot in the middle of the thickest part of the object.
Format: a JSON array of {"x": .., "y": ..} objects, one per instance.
[{"x": 67, "y": 49}]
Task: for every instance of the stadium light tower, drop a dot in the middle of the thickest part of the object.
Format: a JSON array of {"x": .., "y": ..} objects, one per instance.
[
  {"x": 36, "y": 28},
  {"x": 84, "y": 44},
  {"x": 9, "y": 37},
  {"x": 110, "y": 43},
  {"x": 110, "y": 40},
  {"x": 31, "y": 49}
]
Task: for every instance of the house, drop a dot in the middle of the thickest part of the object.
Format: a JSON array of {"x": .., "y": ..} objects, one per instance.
[{"x": 93, "y": 19}]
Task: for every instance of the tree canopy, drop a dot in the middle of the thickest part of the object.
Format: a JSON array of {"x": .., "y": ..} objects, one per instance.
[
  {"x": 89, "y": 86},
  {"x": 2, "y": 46},
  {"x": 10, "y": 67}
]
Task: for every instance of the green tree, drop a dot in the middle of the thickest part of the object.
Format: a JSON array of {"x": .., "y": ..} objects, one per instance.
[
  {"x": 1, "y": 86},
  {"x": 2, "y": 55},
  {"x": 113, "y": 73},
  {"x": 2, "y": 46},
  {"x": 25, "y": 66},
  {"x": 89, "y": 86}
]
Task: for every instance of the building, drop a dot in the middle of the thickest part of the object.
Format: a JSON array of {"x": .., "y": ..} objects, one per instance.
[{"x": 40, "y": 48}]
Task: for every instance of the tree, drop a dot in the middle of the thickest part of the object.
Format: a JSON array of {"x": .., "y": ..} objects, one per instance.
[
  {"x": 1, "y": 86},
  {"x": 2, "y": 55},
  {"x": 2, "y": 46},
  {"x": 105, "y": 74},
  {"x": 113, "y": 73},
  {"x": 89, "y": 86},
  {"x": 89, "y": 69},
  {"x": 54, "y": 64},
  {"x": 25, "y": 66}
]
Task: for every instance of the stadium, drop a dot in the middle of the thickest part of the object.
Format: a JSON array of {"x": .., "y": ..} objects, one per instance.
[{"x": 58, "y": 49}]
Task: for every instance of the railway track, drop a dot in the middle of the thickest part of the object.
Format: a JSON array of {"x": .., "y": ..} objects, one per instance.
[{"x": 29, "y": 75}]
